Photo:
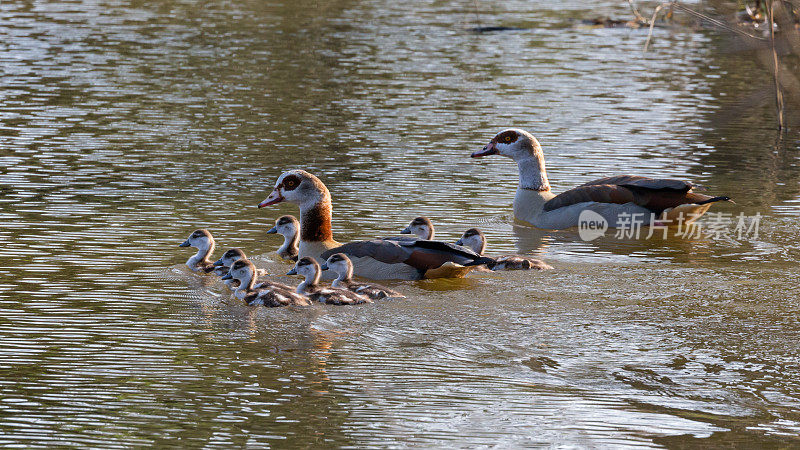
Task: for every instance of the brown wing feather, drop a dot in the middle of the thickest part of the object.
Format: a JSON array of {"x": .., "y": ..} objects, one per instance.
[
  {"x": 644, "y": 182},
  {"x": 602, "y": 193},
  {"x": 652, "y": 193}
]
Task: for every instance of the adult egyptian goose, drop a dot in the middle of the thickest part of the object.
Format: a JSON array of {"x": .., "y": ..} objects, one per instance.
[
  {"x": 375, "y": 259},
  {"x": 204, "y": 243},
  {"x": 616, "y": 199},
  {"x": 309, "y": 268},
  {"x": 341, "y": 264},
  {"x": 265, "y": 293},
  {"x": 475, "y": 239},
  {"x": 421, "y": 227},
  {"x": 289, "y": 228}
]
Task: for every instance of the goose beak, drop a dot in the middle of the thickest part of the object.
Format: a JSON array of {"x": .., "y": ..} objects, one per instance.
[
  {"x": 274, "y": 198},
  {"x": 324, "y": 267},
  {"x": 292, "y": 272},
  {"x": 460, "y": 242},
  {"x": 272, "y": 230},
  {"x": 227, "y": 276},
  {"x": 490, "y": 149},
  {"x": 217, "y": 262},
  {"x": 406, "y": 230},
  {"x": 185, "y": 244}
]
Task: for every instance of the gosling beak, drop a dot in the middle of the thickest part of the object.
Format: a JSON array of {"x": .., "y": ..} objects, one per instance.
[
  {"x": 227, "y": 276},
  {"x": 490, "y": 149},
  {"x": 460, "y": 242},
  {"x": 185, "y": 244},
  {"x": 324, "y": 267},
  {"x": 406, "y": 230},
  {"x": 217, "y": 262},
  {"x": 272, "y": 230},
  {"x": 275, "y": 197},
  {"x": 292, "y": 272}
]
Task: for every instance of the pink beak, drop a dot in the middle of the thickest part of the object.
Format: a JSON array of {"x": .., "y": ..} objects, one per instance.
[
  {"x": 490, "y": 149},
  {"x": 275, "y": 197}
]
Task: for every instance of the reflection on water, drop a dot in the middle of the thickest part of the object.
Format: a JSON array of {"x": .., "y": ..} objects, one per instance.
[{"x": 126, "y": 125}]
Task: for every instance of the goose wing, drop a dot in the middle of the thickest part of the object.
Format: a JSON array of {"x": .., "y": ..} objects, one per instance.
[
  {"x": 420, "y": 254},
  {"x": 655, "y": 194}
]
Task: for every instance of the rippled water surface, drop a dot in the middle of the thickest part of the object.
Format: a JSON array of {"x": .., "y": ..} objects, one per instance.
[{"x": 126, "y": 125}]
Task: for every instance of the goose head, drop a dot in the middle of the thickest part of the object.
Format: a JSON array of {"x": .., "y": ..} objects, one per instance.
[
  {"x": 422, "y": 227},
  {"x": 525, "y": 150},
  {"x": 230, "y": 256},
  {"x": 298, "y": 187},
  {"x": 339, "y": 263},
  {"x": 512, "y": 143},
  {"x": 473, "y": 239},
  {"x": 286, "y": 226},
  {"x": 307, "y": 267},
  {"x": 200, "y": 239},
  {"x": 241, "y": 270}
]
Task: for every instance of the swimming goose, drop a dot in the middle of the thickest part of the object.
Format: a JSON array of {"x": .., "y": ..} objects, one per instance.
[
  {"x": 341, "y": 264},
  {"x": 289, "y": 228},
  {"x": 230, "y": 257},
  {"x": 615, "y": 199},
  {"x": 310, "y": 269},
  {"x": 262, "y": 294},
  {"x": 375, "y": 259},
  {"x": 474, "y": 239},
  {"x": 421, "y": 227},
  {"x": 204, "y": 243}
]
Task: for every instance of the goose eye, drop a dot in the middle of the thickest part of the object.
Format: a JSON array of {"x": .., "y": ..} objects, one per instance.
[
  {"x": 290, "y": 182},
  {"x": 508, "y": 139}
]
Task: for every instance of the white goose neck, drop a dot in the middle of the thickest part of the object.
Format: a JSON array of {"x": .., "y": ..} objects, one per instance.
[
  {"x": 343, "y": 277},
  {"x": 202, "y": 255},
  {"x": 289, "y": 244},
  {"x": 309, "y": 284},
  {"x": 532, "y": 174}
]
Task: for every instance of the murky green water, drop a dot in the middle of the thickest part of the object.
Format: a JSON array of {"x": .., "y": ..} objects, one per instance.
[{"x": 125, "y": 125}]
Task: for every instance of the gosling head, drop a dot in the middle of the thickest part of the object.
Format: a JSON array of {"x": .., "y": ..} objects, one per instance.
[
  {"x": 286, "y": 226},
  {"x": 200, "y": 239},
  {"x": 229, "y": 257},
  {"x": 298, "y": 187},
  {"x": 473, "y": 239},
  {"x": 339, "y": 263},
  {"x": 512, "y": 143},
  {"x": 307, "y": 267},
  {"x": 422, "y": 227},
  {"x": 241, "y": 270}
]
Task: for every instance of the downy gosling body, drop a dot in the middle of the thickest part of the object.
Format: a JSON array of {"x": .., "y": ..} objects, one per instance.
[{"x": 341, "y": 264}]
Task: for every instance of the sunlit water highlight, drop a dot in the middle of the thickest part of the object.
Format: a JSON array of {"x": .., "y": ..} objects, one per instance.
[{"x": 124, "y": 126}]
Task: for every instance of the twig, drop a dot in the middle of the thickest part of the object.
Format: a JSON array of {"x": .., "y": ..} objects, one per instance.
[
  {"x": 636, "y": 14},
  {"x": 778, "y": 93},
  {"x": 653, "y": 24}
]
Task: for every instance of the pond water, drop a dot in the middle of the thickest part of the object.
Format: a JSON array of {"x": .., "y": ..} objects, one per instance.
[{"x": 126, "y": 125}]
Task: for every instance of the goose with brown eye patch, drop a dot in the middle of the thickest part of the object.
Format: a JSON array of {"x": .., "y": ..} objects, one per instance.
[
  {"x": 289, "y": 228},
  {"x": 204, "y": 243},
  {"x": 342, "y": 265},
  {"x": 475, "y": 239},
  {"x": 265, "y": 293},
  {"x": 612, "y": 200},
  {"x": 377, "y": 259},
  {"x": 309, "y": 268}
]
